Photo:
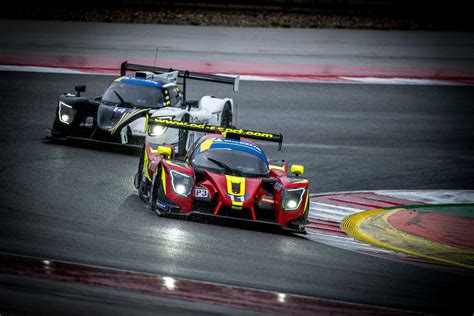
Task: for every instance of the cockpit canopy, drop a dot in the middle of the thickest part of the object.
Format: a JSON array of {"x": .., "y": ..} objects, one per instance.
[
  {"x": 140, "y": 93},
  {"x": 230, "y": 156}
]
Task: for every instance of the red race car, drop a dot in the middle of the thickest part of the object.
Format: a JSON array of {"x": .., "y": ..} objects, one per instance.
[{"x": 223, "y": 174}]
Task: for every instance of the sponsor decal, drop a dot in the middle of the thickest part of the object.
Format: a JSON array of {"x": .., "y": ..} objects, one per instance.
[
  {"x": 125, "y": 118},
  {"x": 201, "y": 192},
  {"x": 278, "y": 186},
  {"x": 161, "y": 205},
  {"x": 120, "y": 110},
  {"x": 138, "y": 131},
  {"x": 212, "y": 128},
  {"x": 233, "y": 141},
  {"x": 168, "y": 76},
  {"x": 240, "y": 199},
  {"x": 88, "y": 122}
]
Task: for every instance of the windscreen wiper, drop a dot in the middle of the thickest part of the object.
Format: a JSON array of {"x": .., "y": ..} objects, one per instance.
[{"x": 227, "y": 169}]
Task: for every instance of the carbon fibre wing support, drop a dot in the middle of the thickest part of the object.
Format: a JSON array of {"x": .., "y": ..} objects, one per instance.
[
  {"x": 228, "y": 132},
  {"x": 181, "y": 74}
]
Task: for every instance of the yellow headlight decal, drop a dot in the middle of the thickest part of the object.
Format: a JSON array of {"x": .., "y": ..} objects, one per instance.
[
  {"x": 163, "y": 179},
  {"x": 307, "y": 201}
]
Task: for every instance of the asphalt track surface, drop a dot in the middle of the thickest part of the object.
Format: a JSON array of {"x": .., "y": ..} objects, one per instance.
[
  {"x": 239, "y": 44},
  {"x": 78, "y": 204}
]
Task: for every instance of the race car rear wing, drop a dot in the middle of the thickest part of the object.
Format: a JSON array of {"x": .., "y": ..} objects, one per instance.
[
  {"x": 228, "y": 132},
  {"x": 181, "y": 74}
]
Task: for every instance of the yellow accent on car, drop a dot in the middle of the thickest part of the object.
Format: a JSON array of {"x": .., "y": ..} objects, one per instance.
[
  {"x": 163, "y": 179},
  {"x": 300, "y": 181},
  {"x": 234, "y": 181},
  {"x": 206, "y": 144},
  {"x": 173, "y": 164},
  {"x": 118, "y": 79},
  {"x": 125, "y": 118},
  {"x": 297, "y": 169},
  {"x": 237, "y": 205},
  {"x": 282, "y": 168},
  {"x": 145, "y": 166},
  {"x": 236, "y": 184},
  {"x": 307, "y": 200},
  {"x": 164, "y": 151}
]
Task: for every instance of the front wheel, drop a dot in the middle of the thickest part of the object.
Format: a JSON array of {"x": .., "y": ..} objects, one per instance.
[
  {"x": 142, "y": 184},
  {"x": 138, "y": 175},
  {"x": 155, "y": 190},
  {"x": 298, "y": 225}
]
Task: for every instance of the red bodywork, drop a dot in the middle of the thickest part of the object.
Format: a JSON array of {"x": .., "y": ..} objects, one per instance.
[{"x": 262, "y": 201}]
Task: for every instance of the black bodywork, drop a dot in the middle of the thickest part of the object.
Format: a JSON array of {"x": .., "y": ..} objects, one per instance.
[{"x": 95, "y": 120}]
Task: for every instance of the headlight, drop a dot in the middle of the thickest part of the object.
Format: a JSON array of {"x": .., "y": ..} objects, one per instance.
[
  {"x": 182, "y": 183},
  {"x": 291, "y": 198},
  {"x": 157, "y": 130},
  {"x": 66, "y": 113}
]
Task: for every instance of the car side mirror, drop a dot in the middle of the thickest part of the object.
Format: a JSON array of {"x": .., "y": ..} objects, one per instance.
[
  {"x": 79, "y": 89},
  {"x": 164, "y": 151},
  {"x": 297, "y": 170}
]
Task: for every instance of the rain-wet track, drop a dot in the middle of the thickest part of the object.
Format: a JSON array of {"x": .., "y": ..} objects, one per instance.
[{"x": 78, "y": 204}]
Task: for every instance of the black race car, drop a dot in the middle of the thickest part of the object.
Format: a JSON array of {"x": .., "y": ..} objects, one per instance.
[{"x": 120, "y": 114}]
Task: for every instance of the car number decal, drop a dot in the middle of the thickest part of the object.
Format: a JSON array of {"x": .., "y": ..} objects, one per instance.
[{"x": 201, "y": 193}]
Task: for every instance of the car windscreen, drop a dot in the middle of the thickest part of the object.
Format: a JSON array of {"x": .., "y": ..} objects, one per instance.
[
  {"x": 139, "y": 96},
  {"x": 245, "y": 163}
]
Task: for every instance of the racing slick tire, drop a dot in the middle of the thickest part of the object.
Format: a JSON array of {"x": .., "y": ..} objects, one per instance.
[
  {"x": 143, "y": 186},
  {"x": 155, "y": 190},
  {"x": 137, "y": 179},
  {"x": 226, "y": 120},
  {"x": 183, "y": 138}
]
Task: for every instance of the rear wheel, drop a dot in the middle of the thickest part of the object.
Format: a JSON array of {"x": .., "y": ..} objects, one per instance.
[
  {"x": 183, "y": 138},
  {"x": 226, "y": 120}
]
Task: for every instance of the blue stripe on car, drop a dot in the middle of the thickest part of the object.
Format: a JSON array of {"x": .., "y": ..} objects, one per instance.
[
  {"x": 142, "y": 82},
  {"x": 238, "y": 145}
]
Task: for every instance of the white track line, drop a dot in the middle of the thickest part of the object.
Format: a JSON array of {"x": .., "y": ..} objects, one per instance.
[
  {"x": 318, "y": 210},
  {"x": 401, "y": 81},
  {"x": 433, "y": 197}
]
